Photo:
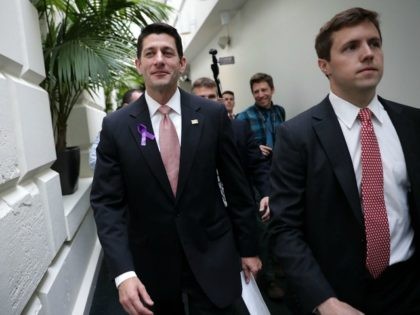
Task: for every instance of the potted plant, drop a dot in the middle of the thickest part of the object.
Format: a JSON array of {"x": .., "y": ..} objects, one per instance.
[{"x": 87, "y": 44}]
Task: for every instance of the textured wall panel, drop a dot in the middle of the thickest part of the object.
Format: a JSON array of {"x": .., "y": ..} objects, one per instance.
[
  {"x": 34, "y": 307},
  {"x": 11, "y": 55},
  {"x": 49, "y": 187},
  {"x": 24, "y": 248},
  {"x": 76, "y": 206},
  {"x": 59, "y": 289},
  {"x": 33, "y": 127},
  {"x": 33, "y": 68},
  {"x": 8, "y": 154}
]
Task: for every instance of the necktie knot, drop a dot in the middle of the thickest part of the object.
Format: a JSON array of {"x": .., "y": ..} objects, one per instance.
[
  {"x": 365, "y": 115},
  {"x": 164, "y": 109}
]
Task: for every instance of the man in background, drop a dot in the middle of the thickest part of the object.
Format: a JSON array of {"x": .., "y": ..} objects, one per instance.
[
  {"x": 346, "y": 184},
  {"x": 255, "y": 166},
  {"x": 229, "y": 102},
  {"x": 264, "y": 116}
]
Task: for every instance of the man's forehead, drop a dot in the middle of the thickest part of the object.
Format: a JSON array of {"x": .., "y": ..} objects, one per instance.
[
  {"x": 205, "y": 91},
  {"x": 260, "y": 85},
  {"x": 353, "y": 33},
  {"x": 159, "y": 41}
]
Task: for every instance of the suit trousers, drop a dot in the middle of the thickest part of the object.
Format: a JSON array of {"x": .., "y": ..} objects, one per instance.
[
  {"x": 197, "y": 303},
  {"x": 396, "y": 291},
  {"x": 192, "y": 300}
]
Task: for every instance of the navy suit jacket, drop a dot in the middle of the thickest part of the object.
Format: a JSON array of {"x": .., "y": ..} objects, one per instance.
[
  {"x": 317, "y": 217},
  {"x": 143, "y": 227},
  {"x": 255, "y": 165}
]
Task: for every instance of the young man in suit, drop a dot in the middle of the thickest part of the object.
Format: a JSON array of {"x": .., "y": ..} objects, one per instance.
[
  {"x": 165, "y": 232},
  {"x": 346, "y": 184},
  {"x": 229, "y": 102},
  {"x": 253, "y": 163},
  {"x": 256, "y": 168}
]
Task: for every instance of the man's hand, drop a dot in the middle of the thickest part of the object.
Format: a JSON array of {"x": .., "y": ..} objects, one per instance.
[
  {"x": 250, "y": 265},
  {"x": 134, "y": 297},
  {"x": 265, "y": 150},
  {"x": 264, "y": 209},
  {"x": 333, "y": 306}
]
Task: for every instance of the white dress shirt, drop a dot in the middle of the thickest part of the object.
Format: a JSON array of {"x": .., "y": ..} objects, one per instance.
[
  {"x": 396, "y": 183},
  {"x": 155, "y": 116}
]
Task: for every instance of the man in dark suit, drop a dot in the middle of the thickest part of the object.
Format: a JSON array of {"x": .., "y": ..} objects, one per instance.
[
  {"x": 353, "y": 153},
  {"x": 256, "y": 168},
  {"x": 165, "y": 232},
  {"x": 254, "y": 164}
]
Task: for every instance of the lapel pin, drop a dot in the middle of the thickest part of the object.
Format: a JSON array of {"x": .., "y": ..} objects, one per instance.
[{"x": 194, "y": 121}]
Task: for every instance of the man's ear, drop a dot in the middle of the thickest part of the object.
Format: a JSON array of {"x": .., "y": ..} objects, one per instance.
[
  {"x": 324, "y": 65},
  {"x": 183, "y": 62},
  {"x": 137, "y": 64}
]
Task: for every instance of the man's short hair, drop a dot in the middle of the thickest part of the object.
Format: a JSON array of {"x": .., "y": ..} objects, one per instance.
[
  {"x": 126, "y": 99},
  {"x": 261, "y": 77},
  {"x": 228, "y": 92},
  {"x": 159, "y": 28},
  {"x": 204, "y": 82},
  {"x": 347, "y": 18}
]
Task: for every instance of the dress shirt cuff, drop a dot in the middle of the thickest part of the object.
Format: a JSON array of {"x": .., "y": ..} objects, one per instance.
[{"x": 123, "y": 277}]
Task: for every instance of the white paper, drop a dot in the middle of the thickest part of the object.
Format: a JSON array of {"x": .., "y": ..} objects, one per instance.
[{"x": 252, "y": 297}]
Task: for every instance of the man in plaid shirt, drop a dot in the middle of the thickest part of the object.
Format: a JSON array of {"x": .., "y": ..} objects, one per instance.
[{"x": 264, "y": 117}]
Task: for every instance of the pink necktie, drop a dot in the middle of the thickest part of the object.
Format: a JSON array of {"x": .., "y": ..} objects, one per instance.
[
  {"x": 169, "y": 147},
  {"x": 376, "y": 219}
]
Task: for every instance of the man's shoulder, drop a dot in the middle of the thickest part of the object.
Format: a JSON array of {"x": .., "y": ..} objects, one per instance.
[
  {"x": 118, "y": 115},
  {"x": 248, "y": 113},
  {"x": 396, "y": 105},
  {"x": 240, "y": 126},
  {"x": 278, "y": 107},
  {"x": 304, "y": 119},
  {"x": 239, "y": 123}
]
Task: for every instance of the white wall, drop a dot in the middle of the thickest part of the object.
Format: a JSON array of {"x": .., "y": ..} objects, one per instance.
[
  {"x": 277, "y": 37},
  {"x": 49, "y": 250}
]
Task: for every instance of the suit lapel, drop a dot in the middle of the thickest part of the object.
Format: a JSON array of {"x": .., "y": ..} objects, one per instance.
[
  {"x": 140, "y": 115},
  {"x": 192, "y": 126},
  {"x": 329, "y": 132}
]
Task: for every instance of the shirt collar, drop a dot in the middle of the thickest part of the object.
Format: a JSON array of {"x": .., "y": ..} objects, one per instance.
[
  {"x": 174, "y": 103},
  {"x": 347, "y": 112}
]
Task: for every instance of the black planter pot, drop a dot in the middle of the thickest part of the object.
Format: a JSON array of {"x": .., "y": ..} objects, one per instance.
[{"x": 68, "y": 166}]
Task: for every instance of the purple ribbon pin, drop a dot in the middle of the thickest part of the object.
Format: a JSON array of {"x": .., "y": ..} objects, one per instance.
[{"x": 144, "y": 134}]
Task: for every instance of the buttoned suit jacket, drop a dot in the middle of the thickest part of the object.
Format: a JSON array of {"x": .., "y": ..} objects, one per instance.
[
  {"x": 318, "y": 223},
  {"x": 143, "y": 227}
]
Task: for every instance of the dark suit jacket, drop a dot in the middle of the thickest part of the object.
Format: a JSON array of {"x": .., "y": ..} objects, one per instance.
[
  {"x": 255, "y": 165},
  {"x": 317, "y": 216},
  {"x": 143, "y": 227}
]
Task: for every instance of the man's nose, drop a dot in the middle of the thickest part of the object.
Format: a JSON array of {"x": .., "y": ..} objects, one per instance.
[
  {"x": 159, "y": 57},
  {"x": 367, "y": 51}
]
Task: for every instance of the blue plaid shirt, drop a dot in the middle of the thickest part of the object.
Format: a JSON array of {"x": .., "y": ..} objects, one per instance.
[{"x": 263, "y": 122}]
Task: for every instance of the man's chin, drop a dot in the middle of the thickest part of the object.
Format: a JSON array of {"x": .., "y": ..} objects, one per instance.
[
  {"x": 160, "y": 85},
  {"x": 264, "y": 105}
]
